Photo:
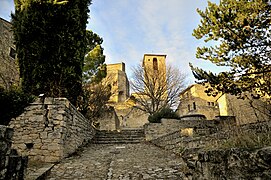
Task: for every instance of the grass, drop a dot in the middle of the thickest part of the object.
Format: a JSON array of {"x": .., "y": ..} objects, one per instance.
[{"x": 241, "y": 139}]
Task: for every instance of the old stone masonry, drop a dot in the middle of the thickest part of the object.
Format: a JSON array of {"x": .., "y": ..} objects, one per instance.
[{"x": 119, "y": 162}]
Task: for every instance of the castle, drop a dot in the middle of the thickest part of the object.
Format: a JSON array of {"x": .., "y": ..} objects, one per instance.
[{"x": 193, "y": 100}]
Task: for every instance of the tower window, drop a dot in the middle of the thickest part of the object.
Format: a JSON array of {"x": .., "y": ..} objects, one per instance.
[
  {"x": 115, "y": 83},
  {"x": 194, "y": 106},
  {"x": 12, "y": 53},
  {"x": 155, "y": 64},
  {"x": 188, "y": 106}
]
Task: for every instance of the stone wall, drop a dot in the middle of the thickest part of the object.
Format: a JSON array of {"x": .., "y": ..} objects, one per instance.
[
  {"x": 192, "y": 136},
  {"x": 12, "y": 166},
  {"x": 50, "y": 129},
  {"x": 246, "y": 111},
  {"x": 167, "y": 126},
  {"x": 231, "y": 164},
  {"x": 219, "y": 164},
  {"x": 131, "y": 117},
  {"x": 109, "y": 120}
]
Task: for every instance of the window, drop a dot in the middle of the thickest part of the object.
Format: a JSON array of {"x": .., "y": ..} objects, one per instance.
[
  {"x": 209, "y": 103},
  {"x": 121, "y": 93},
  {"x": 188, "y": 106},
  {"x": 12, "y": 53},
  {"x": 194, "y": 106},
  {"x": 155, "y": 64},
  {"x": 115, "y": 83},
  {"x": 213, "y": 104}
]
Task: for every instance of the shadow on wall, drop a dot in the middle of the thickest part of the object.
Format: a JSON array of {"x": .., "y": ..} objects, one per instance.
[
  {"x": 50, "y": 129},
  {"x": 109, "y": 121}
]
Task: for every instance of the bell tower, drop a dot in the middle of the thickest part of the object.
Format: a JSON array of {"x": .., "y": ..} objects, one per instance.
[{"x": 154, "y": 63}]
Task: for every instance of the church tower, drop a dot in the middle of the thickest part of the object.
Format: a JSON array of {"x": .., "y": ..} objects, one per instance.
[
  {"x": 155, "y": 73},
  {"x": 154, "y": 63}
]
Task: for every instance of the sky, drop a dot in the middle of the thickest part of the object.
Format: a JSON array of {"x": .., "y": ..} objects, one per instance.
[{"x": 132, "y": 28}]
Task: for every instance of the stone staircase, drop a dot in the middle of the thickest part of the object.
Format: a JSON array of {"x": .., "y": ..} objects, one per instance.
[{"x": 119, "y": 137}]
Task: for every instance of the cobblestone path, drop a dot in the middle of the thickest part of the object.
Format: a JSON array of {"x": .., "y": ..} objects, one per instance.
[{"x": 119, "y": 162}]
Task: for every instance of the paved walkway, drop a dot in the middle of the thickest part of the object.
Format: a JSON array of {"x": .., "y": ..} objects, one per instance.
[{"x": 119, "y": 162}]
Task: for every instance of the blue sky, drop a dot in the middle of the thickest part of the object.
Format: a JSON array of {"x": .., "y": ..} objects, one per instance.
[{"x": 132, "y": 28}]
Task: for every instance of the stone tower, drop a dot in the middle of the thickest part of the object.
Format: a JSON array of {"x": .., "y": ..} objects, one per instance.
[
  {"x": 154, "y": 63},
  {"x": 117, "y": 77},
  {"x": 155, "y": 71}
]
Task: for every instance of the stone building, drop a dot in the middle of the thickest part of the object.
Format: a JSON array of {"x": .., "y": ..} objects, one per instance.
[
  {"x": 117, "y": 77},
  {"x": 9, "y": 73},
  {"x": 193, "y": 100},
  {"x": 245, "y": 111}
]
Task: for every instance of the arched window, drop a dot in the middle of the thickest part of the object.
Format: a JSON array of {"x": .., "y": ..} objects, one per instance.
[
  {"x": 155, "y": 64},
  {"x": 194, "y": 106}
]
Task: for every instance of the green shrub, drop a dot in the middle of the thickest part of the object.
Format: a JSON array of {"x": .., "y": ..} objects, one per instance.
[
  {"x": 163, "y": 113},
  {"x": 12, "y": 103}
]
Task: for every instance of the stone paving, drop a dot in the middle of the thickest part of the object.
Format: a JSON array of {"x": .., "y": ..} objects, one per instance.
[{"x": 120, "y": 162}]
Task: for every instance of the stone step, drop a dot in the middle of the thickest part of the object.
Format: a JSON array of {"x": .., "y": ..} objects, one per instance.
[
  {"x": 118, "y": 135},
  {"x": 117, "y": 142},
  {"x": 121, "y": 132},
  {"x": 119, "y": 139},
  {"x": 123, "y": 136}
]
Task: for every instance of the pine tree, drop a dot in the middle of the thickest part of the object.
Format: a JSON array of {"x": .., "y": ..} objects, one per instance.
[{"x": 240, "y": 36}]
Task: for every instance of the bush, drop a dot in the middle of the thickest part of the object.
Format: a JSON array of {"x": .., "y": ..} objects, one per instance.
[
  {"x": 163, "y": 113},
  {"x": 12, "y": 103}
]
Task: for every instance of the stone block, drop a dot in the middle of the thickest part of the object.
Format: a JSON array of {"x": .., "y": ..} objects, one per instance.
[
  {"x": 51, "y": 159},
  {"x": 43, "y": 135},
  {"x": 49, "y": 100},
  {"x": 44, "y": 147}
]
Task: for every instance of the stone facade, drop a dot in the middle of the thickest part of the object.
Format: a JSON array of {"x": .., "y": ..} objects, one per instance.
[
  {"x": 245, "y": 111},
  {"x": 9, "y": 73},
  {"x": 155, "y": 63},
  {"x": 50, "y": 129},
  {"x": 131, "y": 117},
  {"x": 155, "y": 73},
  {"x": 117, "y": 77},
  {"x": 12, "y": 166},
  {"x": 193, "y": 100},
  {"x": 109, "y": 120}
]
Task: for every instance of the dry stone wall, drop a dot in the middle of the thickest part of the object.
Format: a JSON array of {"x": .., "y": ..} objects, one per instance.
[
  {"x": 12, "y": 166},
  {"x": 193, "y": 136},
  {"x": 231, "y": 164},
  {"x": 168, "y": 126},
  {"x": 221, "y": 163},
  {"x": 50, "y": 129}
]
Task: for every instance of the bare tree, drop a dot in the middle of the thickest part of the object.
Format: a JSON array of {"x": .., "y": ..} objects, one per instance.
[
  {"x": 92, "y": 102},
  {"x": 155, "y": 90}
]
